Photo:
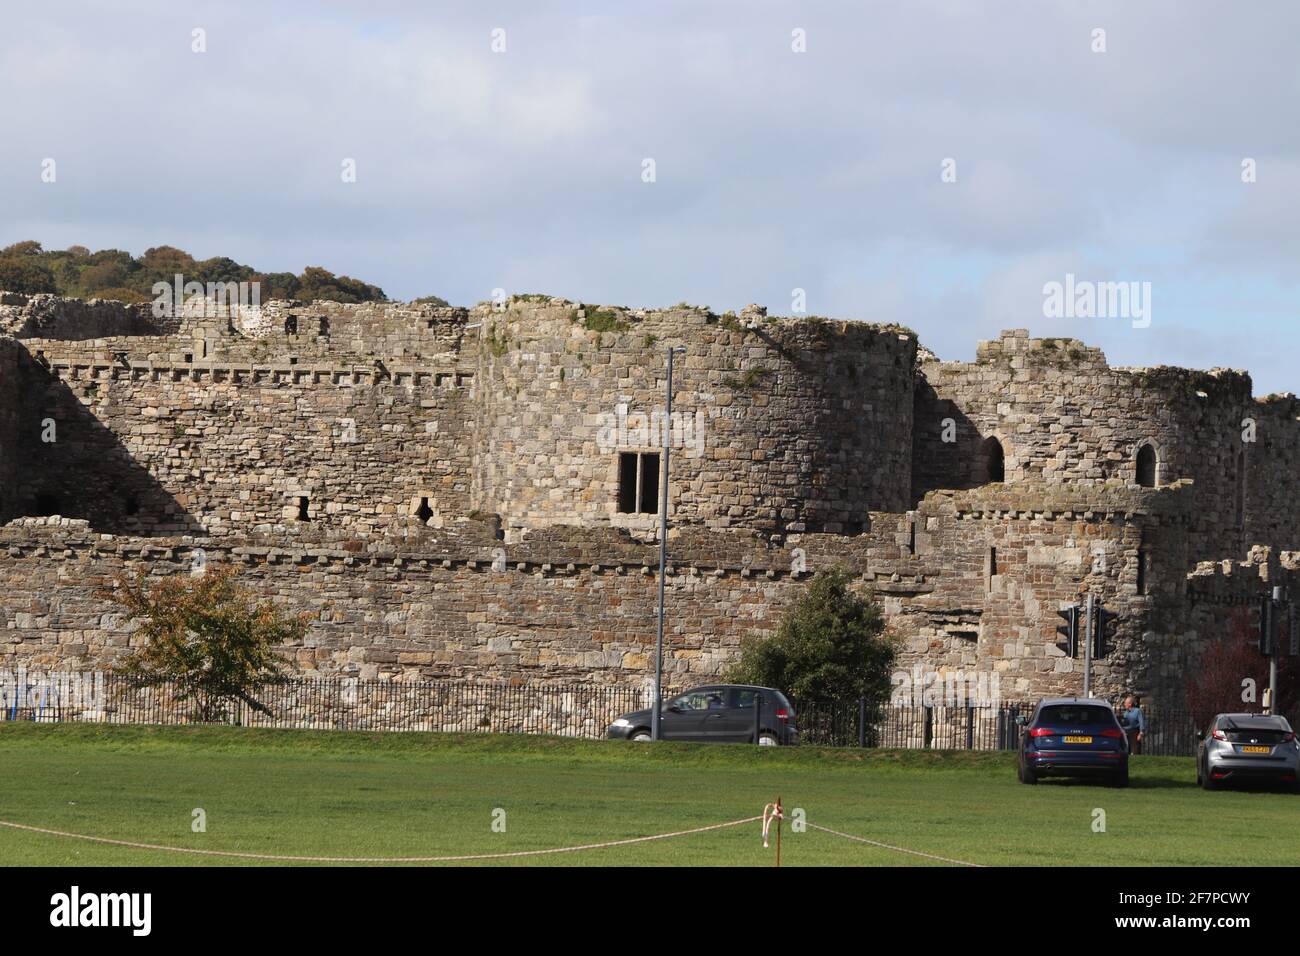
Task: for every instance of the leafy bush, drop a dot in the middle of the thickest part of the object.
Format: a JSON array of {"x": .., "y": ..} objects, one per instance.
[{"x": 831, "y": 645}]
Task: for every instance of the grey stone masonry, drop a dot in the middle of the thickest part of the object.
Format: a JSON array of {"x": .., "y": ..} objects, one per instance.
[{"x": 472, "y": 493}]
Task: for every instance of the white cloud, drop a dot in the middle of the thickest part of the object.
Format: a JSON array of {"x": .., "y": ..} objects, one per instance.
[{"x": 774, "y": 169}]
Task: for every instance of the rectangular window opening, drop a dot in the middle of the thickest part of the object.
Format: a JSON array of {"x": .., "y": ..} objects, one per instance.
[
  {"x": 638, "y": 483},
  {"x": 649, "y": 484},
  {"x": 627, "y": 464}
]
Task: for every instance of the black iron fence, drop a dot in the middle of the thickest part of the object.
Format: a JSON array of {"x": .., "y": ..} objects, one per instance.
[
  {"x": 1170, "y": 732},
  {"x": 857, "y": 724},
  {"x": 575, "y": 710}
]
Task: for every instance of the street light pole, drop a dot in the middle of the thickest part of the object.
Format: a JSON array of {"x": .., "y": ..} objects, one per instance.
[
  {"x": 1275, "y": 612},
  {"x": 663, "y": 544}
]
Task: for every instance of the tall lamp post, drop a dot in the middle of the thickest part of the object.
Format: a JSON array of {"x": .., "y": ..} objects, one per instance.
[{"x": 663, "y": 543}]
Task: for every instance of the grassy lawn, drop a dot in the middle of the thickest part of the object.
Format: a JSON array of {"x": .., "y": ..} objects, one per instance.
[{"x": 407, "y": 794}]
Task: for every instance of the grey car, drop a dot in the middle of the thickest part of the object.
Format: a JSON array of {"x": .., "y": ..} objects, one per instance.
[
  {"x": 717, "y": 713},
  {"x": 1248, "y": 748}
]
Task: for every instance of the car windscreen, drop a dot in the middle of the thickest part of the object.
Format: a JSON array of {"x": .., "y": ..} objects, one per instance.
[{"x": 1076, "y": 715}]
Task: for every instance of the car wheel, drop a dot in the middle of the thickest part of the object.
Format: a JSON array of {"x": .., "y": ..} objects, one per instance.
[
  {"x": 768, "y": 739},
  {"x": 1027, "y": 774},
  {"x": 1120, "y": 779},
  {"x": 640, "y": 734},
  {"x": 1208, "y": 782}
]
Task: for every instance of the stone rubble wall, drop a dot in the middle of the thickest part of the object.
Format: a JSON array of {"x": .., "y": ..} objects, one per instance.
[{"x": 52, "y": 316}]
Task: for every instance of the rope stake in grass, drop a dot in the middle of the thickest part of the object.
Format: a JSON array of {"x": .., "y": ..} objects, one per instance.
[
  {"x": 773, "y": 812},
  {"x": 231, "y": 854}
]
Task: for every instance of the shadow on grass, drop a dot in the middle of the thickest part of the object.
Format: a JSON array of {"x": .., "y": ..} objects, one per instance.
[{"x": 1134, "y": 783}]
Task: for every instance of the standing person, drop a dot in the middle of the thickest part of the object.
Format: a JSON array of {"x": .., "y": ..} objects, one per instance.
[{"x": 1133, "y": 722}]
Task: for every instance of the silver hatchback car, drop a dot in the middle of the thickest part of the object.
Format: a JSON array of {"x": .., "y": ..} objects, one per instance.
[{"x": 1248, "y": 748}]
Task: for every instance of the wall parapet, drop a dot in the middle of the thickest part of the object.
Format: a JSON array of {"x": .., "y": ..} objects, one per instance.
[
  {"x": 1074, "y": 500},
  {"x": 110, "y": 368}
]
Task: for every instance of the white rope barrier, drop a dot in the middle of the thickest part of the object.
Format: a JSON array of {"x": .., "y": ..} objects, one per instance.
[
  {"x": 285, "y": 858},
  {"x": 771, "y": 813},
  {"x": 897, "y": 849}
]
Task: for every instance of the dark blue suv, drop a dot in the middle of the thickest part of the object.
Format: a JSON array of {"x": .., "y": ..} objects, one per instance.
[{"x": 1073, "y": 736}]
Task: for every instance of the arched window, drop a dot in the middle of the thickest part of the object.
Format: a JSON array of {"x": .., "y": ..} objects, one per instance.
[
  {"x": 995, "y": 469},
  {"x": 1146, "y": 466}
]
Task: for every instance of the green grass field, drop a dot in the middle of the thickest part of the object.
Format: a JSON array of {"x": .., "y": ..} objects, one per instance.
[{"x": 355, "y": 794}]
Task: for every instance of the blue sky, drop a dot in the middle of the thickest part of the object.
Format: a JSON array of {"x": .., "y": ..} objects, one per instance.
[{"x": 775, "y": 170}]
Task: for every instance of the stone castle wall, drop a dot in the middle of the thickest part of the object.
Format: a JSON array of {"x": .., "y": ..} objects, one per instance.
[
  {"x": 222, "y": 446},
  {"x": 442, "y": 487},
  {"x": 970, "y": 582}
]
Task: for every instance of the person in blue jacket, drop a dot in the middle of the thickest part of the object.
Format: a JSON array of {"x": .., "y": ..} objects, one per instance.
[{"x": 1133, "y": 722}]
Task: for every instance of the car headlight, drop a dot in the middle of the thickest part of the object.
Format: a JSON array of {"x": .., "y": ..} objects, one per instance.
[{"x": 622, "y": 722}]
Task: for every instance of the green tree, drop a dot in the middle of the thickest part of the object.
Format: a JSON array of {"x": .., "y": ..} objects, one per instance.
[
  {"x": 26, "y": 275},
  {"x": 221, "y": 269},
  {"x": 28, "y": 247},
  {"x": 163, "y": 262},
  {"x": 831, "y": 645},
  {"x": 112, "y": 273},
  {"x": 317, "y": 283},
  {"x": 105, "y": 275},
  {"x": 210, "y": 640},
  {"x": 276, "y": 285}
]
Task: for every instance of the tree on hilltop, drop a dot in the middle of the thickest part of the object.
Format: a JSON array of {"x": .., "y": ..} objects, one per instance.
[
  {"x": 25, "y": 275},
  {"x": 78, "y": 273}
]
